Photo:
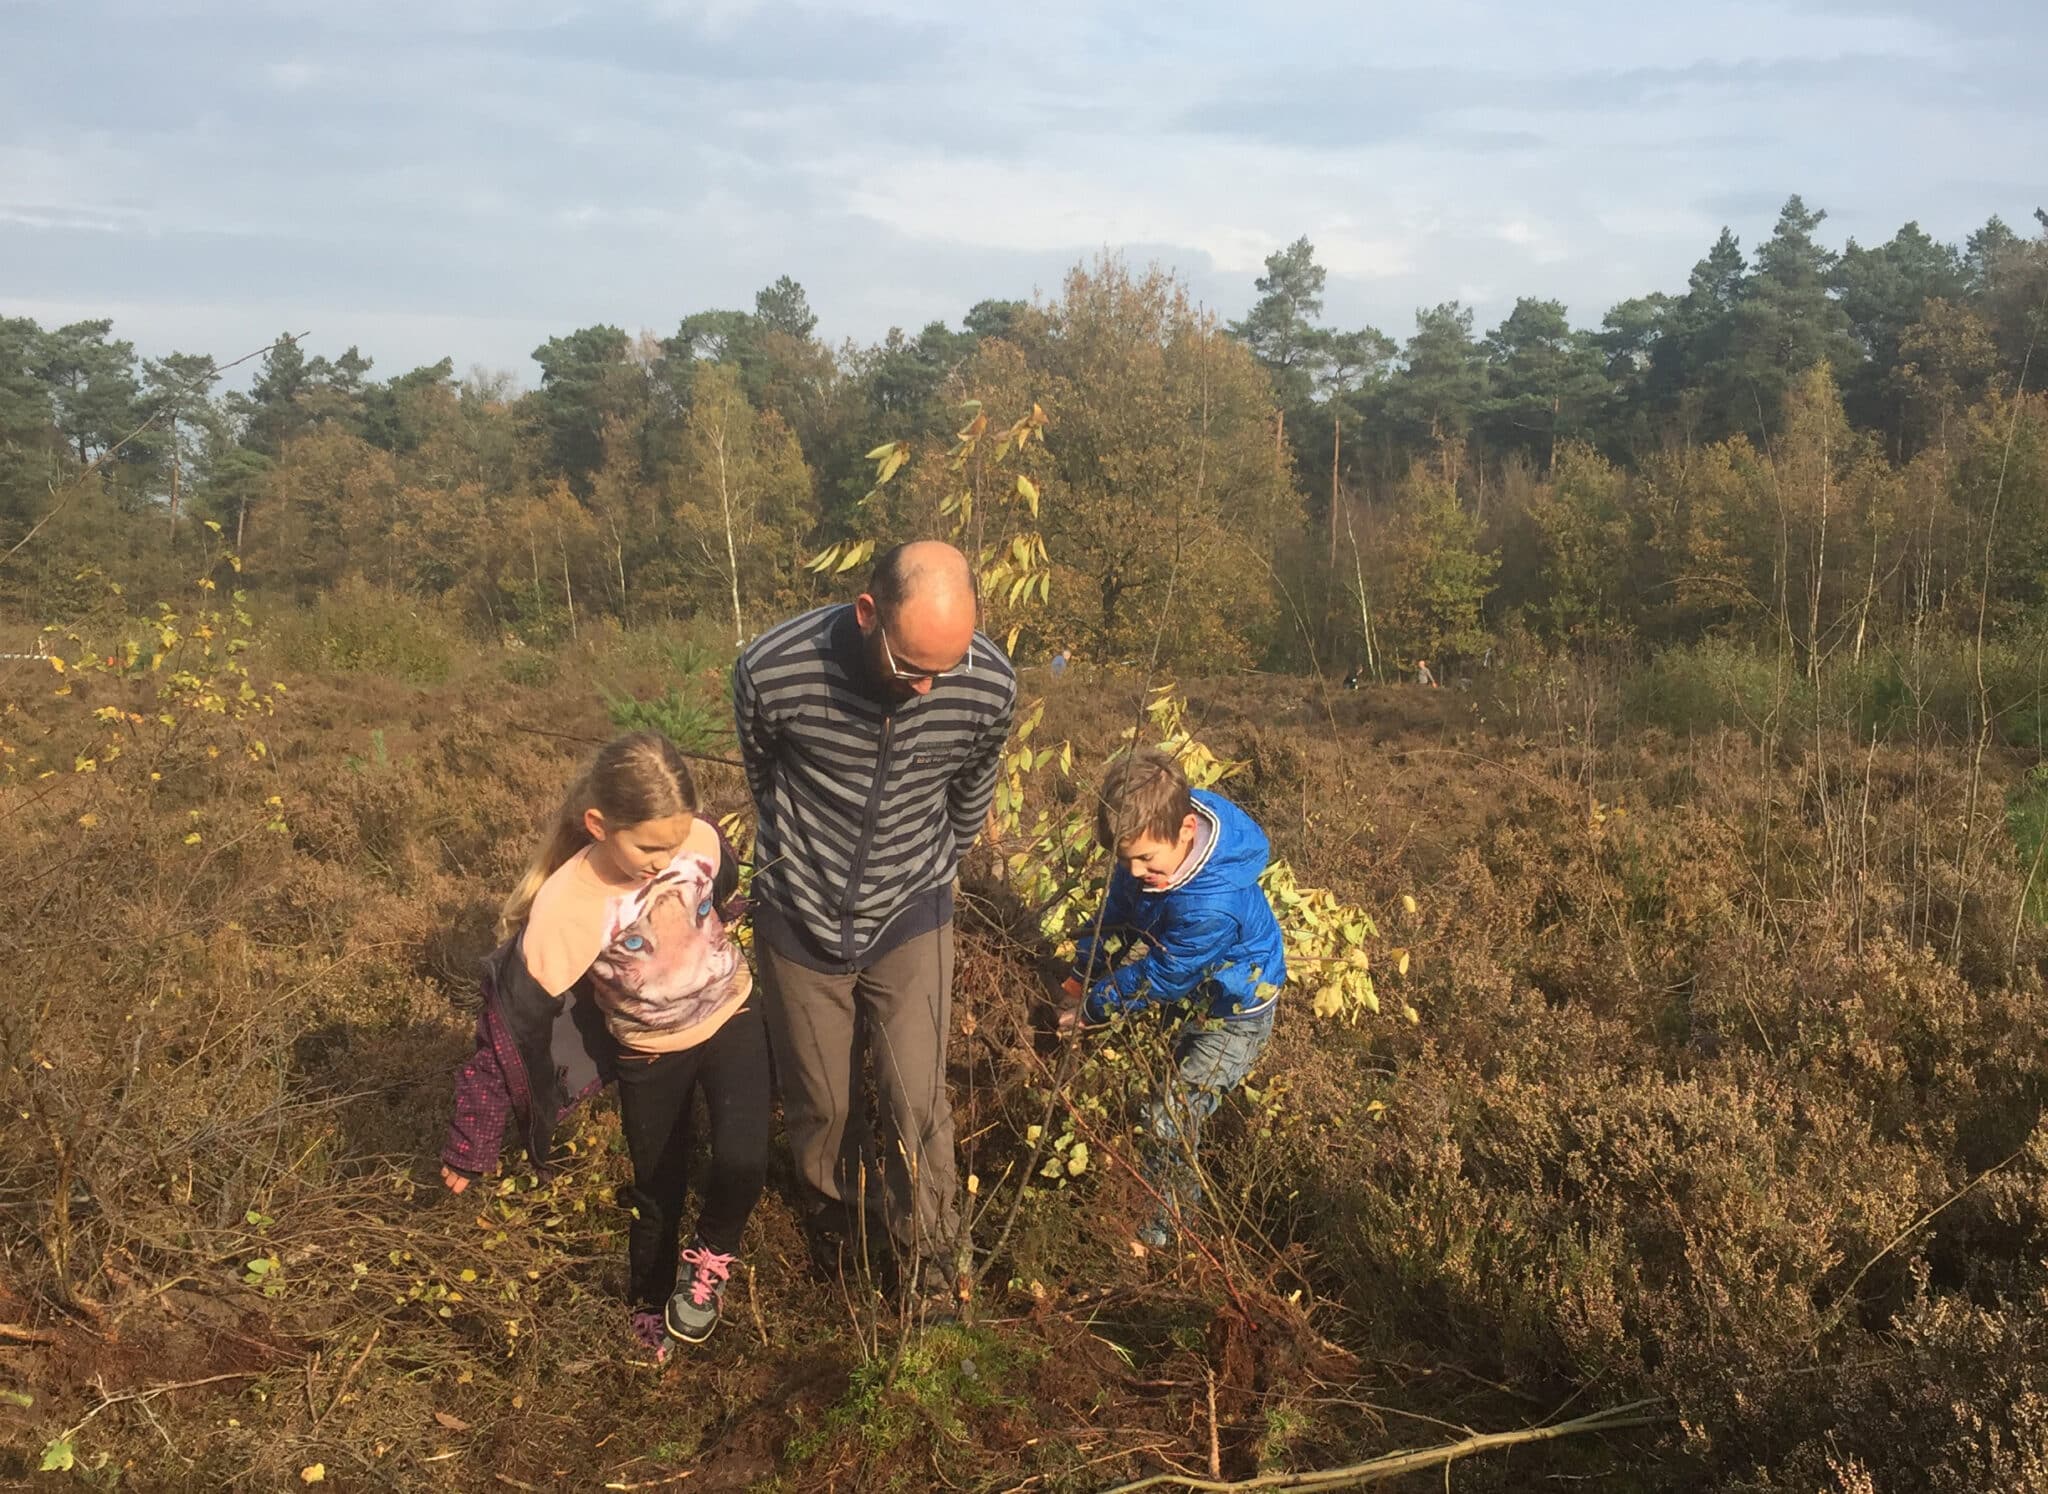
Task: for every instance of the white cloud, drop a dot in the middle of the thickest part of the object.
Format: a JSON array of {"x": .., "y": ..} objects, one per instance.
[
  {"x": 1232, "y": 206},
  {"x": 291, "y": 77},
  {"x": 63, "y": 216},
  {"x": 486, "y": 171}
]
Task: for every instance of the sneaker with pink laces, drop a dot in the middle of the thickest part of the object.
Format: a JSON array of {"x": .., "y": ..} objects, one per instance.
[{"x": 693, "y": 1310}]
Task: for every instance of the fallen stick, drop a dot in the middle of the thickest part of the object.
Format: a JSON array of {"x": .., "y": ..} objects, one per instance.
[
  {"x": 754, "y": 1305},
  {"x": 1393, "y": 1465},
  {"x": 342, "y": 1389},
  {"x": 121, "y": 1397},
  {"x": 1215, "y": 1447},
  {"x": 14, "y": 1334}
]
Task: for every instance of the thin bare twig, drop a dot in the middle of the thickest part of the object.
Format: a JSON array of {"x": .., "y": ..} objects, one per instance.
[
  {"x": 577, "y": 736},
  {"x": 1215, "y": 1443},
  {"x": 149, "y": 1393},
  {"x": 335, "y": 1399},
  {"x": 1849, "y": 1292},
  {"x": 754, "y": 1306},
  {"x": 1394, "y": 1465},
  {"x": 655, "y": 1483}
]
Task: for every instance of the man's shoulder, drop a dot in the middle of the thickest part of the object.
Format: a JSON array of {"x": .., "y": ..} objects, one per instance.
[
  {"x": 805, "y": 638},
  {"x": 988, "y": 653},
  {"x": 991, "y": 671}
]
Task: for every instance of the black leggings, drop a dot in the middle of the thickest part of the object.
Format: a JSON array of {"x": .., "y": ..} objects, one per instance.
[{"x": 655, "y": 1113}]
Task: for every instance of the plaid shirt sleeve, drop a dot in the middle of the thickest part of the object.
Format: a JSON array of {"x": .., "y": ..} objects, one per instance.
[{"x": 484, "y": 1102}]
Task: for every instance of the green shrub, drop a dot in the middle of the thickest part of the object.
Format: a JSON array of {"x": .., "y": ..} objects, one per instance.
[
  {"x": 530, "y": 669},
  {"x": 1711, "y": 684},
  {"x": 2026, "y": 814},
  {"x": 693, "y": 712},
  {"x": 361, "y": 629},
  {"x": 658, "y": 646}
]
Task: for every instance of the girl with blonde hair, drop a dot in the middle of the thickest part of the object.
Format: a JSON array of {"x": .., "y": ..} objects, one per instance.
[{"x": 618, "y": 963}]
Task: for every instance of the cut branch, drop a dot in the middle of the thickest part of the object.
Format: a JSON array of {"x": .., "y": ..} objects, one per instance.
[{"x": 1394, "y": 1465}]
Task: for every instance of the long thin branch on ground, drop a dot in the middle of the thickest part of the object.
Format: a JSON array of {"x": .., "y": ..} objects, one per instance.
[
  {"x": 120, "y": 1397},
  {"x": 1394, "y": 1465}
]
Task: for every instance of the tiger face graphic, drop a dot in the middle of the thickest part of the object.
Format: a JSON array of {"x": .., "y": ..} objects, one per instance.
[{"x": 673, "y": 965}]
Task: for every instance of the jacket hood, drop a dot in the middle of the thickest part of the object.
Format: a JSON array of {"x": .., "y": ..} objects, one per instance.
[{"x": 1236, "y": 853}]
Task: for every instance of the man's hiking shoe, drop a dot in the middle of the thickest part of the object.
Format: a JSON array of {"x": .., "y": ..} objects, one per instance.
[
  {"x": 693, "y": 1310},
  {"x": 938, "y": 1294},
  {"x": 842, "y": 1260},
  {"x": 649, "y": 1337}
]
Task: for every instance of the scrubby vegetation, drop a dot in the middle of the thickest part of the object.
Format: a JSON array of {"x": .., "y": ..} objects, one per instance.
[
  {"x": 1723, "y": 1092},
  {"x": 1668, "y": 1043}
]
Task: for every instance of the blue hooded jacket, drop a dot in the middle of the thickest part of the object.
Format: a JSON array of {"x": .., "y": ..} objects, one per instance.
[{"x": 1212, "y": 939}]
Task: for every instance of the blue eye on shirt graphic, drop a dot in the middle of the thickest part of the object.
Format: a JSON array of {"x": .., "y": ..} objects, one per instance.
[{"x": 673, "y": 965}]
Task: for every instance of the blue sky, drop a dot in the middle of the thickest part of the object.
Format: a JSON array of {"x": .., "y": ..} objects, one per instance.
[{"x": 469, "y": 177}]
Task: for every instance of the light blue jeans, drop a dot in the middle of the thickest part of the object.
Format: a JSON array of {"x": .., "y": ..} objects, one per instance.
[{"x": 1211, "y": 1057}]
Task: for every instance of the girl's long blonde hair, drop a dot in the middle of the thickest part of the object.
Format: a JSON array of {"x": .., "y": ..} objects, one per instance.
[{"x": 634, "y": 778}]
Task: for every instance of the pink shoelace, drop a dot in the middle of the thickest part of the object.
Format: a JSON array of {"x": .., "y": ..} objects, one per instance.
[{"x": 711, "y": 1269}]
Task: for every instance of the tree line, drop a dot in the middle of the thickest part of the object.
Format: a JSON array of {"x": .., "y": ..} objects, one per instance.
[{"x": 1823, "y": 446}]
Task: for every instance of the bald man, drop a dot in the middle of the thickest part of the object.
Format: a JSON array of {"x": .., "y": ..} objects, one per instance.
[{"x": 873, "y": 735}]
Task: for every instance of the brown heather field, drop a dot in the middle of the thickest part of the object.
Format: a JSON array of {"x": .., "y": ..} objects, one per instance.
[{"x": 1725, "y": 1095}]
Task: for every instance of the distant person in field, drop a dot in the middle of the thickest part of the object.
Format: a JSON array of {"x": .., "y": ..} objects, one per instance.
[
  {"x": 1058, "y": 666},
  {"x": 1423, "y": 676},
  {"x": 1186, "y": 915},
  {"x": 1351, "y": 679},
  {"x": 873, "y": 736},
  {"x": 618, "y": 962}
]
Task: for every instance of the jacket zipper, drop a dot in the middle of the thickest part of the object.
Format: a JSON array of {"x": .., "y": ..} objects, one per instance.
[{"x": 867, "y": 838}]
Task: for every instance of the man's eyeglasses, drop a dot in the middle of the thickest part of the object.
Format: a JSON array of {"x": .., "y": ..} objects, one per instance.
[{"x": 904, "y": 676}]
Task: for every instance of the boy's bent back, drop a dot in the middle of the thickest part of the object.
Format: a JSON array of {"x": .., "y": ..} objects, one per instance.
[{"x": 1187, "y": 883}]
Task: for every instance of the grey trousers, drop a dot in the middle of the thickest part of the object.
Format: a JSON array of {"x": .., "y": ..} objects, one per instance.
[{"x": 899, "y": 1008}]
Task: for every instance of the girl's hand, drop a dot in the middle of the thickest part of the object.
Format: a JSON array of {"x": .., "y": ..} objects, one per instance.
[{"x": 456, "y": 1181}]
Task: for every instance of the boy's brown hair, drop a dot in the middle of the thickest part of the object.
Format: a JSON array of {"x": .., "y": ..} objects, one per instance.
[{"x": 1144, "y": 793}]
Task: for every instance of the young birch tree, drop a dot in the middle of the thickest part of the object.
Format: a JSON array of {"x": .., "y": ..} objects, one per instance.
[{"x": 742, "y": 492}]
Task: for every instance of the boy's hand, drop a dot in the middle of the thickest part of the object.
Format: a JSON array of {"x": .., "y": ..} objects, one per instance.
[
  {"x": 1071, "y": 995},
  {"x": 456, "y": 1181}
]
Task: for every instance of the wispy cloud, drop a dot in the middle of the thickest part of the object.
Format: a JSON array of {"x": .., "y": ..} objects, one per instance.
[{"x": 461, "y": 176}]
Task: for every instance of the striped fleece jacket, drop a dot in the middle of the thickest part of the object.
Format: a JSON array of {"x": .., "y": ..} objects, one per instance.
[{"x": 864, "y": 801}]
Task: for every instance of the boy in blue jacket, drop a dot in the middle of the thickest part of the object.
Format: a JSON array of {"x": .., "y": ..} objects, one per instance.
[{"x": 1187, "y": 918}]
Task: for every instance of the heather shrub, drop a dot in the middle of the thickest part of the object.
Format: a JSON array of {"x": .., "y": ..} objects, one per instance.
[
  {"x": 358, "y": 628},
  {"x": 1724, "y": 1088}
]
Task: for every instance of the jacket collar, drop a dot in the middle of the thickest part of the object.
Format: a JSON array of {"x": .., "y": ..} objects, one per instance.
[
  {"x": 1199, "y": 857},
  {"x": 848, "y": 649}
]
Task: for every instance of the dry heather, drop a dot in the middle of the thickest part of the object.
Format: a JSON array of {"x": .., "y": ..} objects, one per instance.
[{"x": 1726, "y": 1092}]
